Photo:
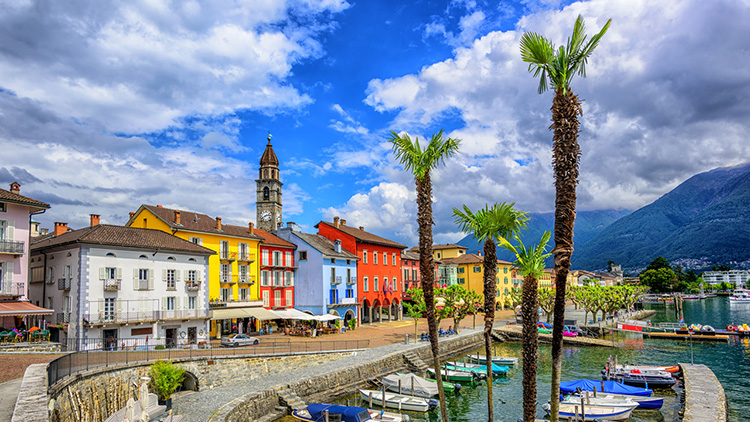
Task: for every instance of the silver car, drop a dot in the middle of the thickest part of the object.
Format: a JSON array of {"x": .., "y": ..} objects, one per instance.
[{"x": 236, "y": 340}]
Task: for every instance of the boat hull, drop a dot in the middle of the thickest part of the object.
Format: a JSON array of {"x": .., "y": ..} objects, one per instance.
[
  {"x": 497, "y": 360},
  {"x": 397, "y": 401},
  {"x": 643, "y": 402},
  {"x": 454, "y": 376}
]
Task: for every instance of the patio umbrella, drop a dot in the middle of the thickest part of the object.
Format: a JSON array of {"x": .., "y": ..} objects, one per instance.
[
  {"x": 34, "y": 328},
  {"x": 143, "y": 401},
  {"x": 130, "y": 410}
]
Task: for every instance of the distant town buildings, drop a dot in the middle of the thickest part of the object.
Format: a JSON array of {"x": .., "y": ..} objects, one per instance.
[{"x": 738, "y": 278}]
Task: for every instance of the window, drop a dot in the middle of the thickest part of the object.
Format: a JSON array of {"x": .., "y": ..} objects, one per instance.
[
  {"x": 277, "y": 278},
  {"x": 277, "y": 298},
  {"x": 289, "y": 298},
  {"x": 170, "y": 279},
  {"x": 192, "y": 300},
  {"x": 375, "y": 258},
  {"x": 350, "y": 293},
  {"x": 225, "y": 294},
  {"x": 477, "y": 269},
  {"x": 393, "y": 258},
  {"x": 170, "y": 303},
  {"x": 406, "y": 274},
  {"x": 365, "y": 284},
  {"x": 289, "y": 279},
  {"x": 192, "y": 275},
  {"x": 144, "y": 279},
  {"x": 460, "y": 270},
  {"x": 109, "y": 273},
  {"x": 170, "y": 258},
  {"x": 333, "y": 276},
  {"x": 375, "y": 286},
  {"x": 461, "y": 281},
  {"x": 348, "y": 262},
  {"x": 223, "y": 249},
  {"x": 438, "y": 255},
  {"x": 302, "y": 255},
  {"x": 386, "y": 286},
  {"x": 394, "y": 284},
  {"x": 506, "y": 280},
  {"x": 242, "y": 294},
  {"x": 197, "y": 240},
  {"x": 143, "y": 257},
  {"x": 333, "y": 297},
  {"x": 276, "y": 258},
  {"x": 225, "y": 273},
  {"x": 505, "y": 270},
  {"x": 288, "y": 259},
  {"x": 414, "y": 275},
  {"x": 265, "y": 278},
  {"x": 364, "y": 256},
  {"x": 109, "y": 309},
  {"x": 333, "y": 260},
  {"x": 243, "y": 274},
  {"x": 265, "y": 299},
  {"x": 3, "y": 207},
  {"x": 243, "y": 248},
  {"x": 385, "y": 258},
  {"x": 264, "y": 255},
  {"x": 349, "y": 276}
]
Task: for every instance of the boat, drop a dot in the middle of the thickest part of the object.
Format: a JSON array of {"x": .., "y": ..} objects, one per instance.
[
  {"x": 447, "y": 386},
  {"x": 320, "y": 412},
  {"x": 592, "y": 413},
  {"x": 640, "y": 378},
  {"x": 479, "y": 373},
  {"x": 608, "y": 387},
  {"x": 398, "y": 401},
  {"x": 496, "y": 369},
  {"x": 415, "y": 385},
  {"x": 599, "y": 401},
  {"x": 643, "y": 402},
  {"x": 692, "y": 297},
  {"x": 498, "y": 360},
  {"x": 739, "y": 295},
  {"x": 456, "y": 376},
  {"x": 672, "y": 369}
]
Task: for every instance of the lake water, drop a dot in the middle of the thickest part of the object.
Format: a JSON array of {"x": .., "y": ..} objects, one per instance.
[{"x": 730, "y": 361}]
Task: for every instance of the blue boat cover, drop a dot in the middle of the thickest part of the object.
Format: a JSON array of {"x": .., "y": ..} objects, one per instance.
[
  {"x": 614, "y": 387},
  {"x": 348, "y": 413}
]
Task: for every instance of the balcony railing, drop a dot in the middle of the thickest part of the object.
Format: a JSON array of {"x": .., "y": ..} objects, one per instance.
[
  {"x": 246, "y": 280},
  {"x": 246, "y": 257},
  {"x": 111, "y": 285},
  {"x": 228, "y": 278},
  {"x": 63, "y": 284},
  {"x": 335, "y": 281},
  {"x": 352, "y": 281},
  {"x": 226, "y": 255},
  {"x": 108, "y": 317},
  {"x": 11, "y": 246},
  {"x": 63, "y": 317},
  {"x": 192, "y": 286}
]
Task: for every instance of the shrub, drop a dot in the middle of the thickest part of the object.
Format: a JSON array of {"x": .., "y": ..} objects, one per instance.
[
  {"x": 165, "y": 378},
  {"x": 352, "y": 324},
  {"x": 159, "y": 347}
]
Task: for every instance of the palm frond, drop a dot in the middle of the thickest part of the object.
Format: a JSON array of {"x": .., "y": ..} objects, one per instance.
[{"x": 419, "y": 161}]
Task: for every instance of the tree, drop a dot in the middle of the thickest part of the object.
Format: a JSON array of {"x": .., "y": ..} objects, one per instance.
[
  {"x": 547, "y": 301},
  {"x": 455, "y": 301},
  {"x": 420, "y": 162},
  {"x": 416, "y": 309},
  {"x": 721, "y": 268},
  {"x": 530, "y": 263},
  {"x": 473, "y": 302},
  {"x": 556, "y": 70},
  {"x": 491, "y": 223},
  {"x": 658, "y": 263},
  {"x": 660, "y": 281}
]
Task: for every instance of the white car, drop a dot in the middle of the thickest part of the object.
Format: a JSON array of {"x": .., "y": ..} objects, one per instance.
[{"x": 236, "y": 340}]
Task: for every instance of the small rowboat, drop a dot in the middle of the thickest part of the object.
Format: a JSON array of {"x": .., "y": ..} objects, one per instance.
[
  {"x": 319, "y": 412},
  {"x": 592, "y": 413},
  {"x": 455, "y": 376},
  {"x": 497, "y": 360},
  {"x": 475, "y": 367},
  {"x": 643, "y": 402},
  {"x": 398, "y": 401},
  {"x": 600, "y": 401}
]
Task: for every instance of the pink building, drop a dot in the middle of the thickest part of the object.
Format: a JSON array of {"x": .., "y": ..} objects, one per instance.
[{"x": 15, "y": 212}]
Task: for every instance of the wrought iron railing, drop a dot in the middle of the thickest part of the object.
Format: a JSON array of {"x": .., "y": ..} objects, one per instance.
[
  {"x": 114, "y": 317},
  {"x": 111, "y": 285},
  {"x": 192, "y": 286},
  {"x": 63, "y": 317},
  {"x": 63, "y": 284},
  {"x": 11, "y": 246}
]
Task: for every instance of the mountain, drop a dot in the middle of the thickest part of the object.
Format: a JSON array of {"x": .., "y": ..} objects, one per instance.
[
  {"x": 588, "y": 225},
  {"x": 704, "y": 220}
]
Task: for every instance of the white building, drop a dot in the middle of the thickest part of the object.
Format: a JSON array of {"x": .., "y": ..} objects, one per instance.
[
  {"x": 113, "y": 286},
  {"x": 736, "y": 277}
]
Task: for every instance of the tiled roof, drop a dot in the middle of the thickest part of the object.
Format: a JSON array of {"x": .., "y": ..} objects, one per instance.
[
  {"x": 324, "y": 245},
  {"x": 415, "y": 249},
  {"x": 271, "y": 239},
  {"x": 410, "y": 255},
  {"x": 364, "y": 236},
  {"x": 8, "y": 196},
  {"x": 129, "y": 237},
  {"x": 269, "y": 157},
  {"x": 198, "y": 222},
  {"x": 470, "y": 258}
]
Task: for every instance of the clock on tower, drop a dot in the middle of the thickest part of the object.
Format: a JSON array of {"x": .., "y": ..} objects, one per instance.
[{"x": 268, "y": 202}]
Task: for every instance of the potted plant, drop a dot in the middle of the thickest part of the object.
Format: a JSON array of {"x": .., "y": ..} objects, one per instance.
[{"x": 165, "y": 378}]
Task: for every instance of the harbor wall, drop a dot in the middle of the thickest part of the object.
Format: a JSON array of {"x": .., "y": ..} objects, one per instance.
[{"x": 704, "y": 396}]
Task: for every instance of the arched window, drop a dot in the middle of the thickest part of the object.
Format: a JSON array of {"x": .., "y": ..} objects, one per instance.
[
  {"x": 170, "y": 258},
  {"x": 266, "y": 194},
  {"x": 143, "y": 257},
  {"x": 191, "y": 259},
  {"x": 111, "y": 254}
]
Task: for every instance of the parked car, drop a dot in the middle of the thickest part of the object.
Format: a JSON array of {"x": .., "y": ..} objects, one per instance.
[{"x": 235, "y": 340}]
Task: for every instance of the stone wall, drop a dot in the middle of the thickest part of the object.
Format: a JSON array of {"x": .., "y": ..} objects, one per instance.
[
  {"x": 91, "y": 396},
  {"x": 24, "y": 348}
]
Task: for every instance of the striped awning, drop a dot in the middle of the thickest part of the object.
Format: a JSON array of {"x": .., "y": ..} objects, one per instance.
[{"x": 21, "y": 309}]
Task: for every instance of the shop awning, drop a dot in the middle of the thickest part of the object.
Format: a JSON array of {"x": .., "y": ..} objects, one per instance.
[
  {"x": 246, "y": 312},
  {"x": 294, "y": 314},
  {"x": 327, "y": 317},
  {"x": 21, "y": 309}
]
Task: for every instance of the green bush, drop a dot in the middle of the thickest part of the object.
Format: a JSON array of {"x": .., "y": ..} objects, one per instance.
[
  {"x": 159, "y": 347},
  {"x": 165, "y": 378},
  {"x": 352, "y": 324}
]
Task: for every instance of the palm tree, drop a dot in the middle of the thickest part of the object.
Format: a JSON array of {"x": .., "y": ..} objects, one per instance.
[
  {"x": 487, "y": 225},
  {"x": 530, "y": 263},
  {"x": 555, "y": 69},
  {"x": 419, "y": 162}
]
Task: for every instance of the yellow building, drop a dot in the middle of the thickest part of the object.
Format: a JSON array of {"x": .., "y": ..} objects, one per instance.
[
  {"x": 547, "y": 278},
  {"x": 470, "y": 274},
  {"x": 233, "y": 271}
]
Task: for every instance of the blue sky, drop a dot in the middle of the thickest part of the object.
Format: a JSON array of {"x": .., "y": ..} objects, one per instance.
[{"x": 106, "y": 107}]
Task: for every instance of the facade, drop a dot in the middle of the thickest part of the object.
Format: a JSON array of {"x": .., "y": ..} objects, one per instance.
[
  {"x": 232, "y": 271},
  {"x": 277, "y": 271},
  {"x": 327, "y": 275},
  {"x": 378, "y": 269},
  {"x": 738, "y": 278},
  {"x": 113, "y": 286},
  {"x": 446, "y": 273},
  {"x": 15, "y": 212},
  {"x": 470, "y": 275},
  {"x": 412, "y": 276},
  {"x": 268, "y": 202}
]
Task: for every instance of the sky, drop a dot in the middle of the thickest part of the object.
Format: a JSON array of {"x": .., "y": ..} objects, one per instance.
[{"x": 105, "y": 106}]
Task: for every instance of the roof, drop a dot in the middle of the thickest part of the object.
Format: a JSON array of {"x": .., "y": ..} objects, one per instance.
[
  {"x": 194, "y": 221},
  {"x": 129, "y": 237},
  {"x": 470, "y": 258},
  {"x": 410, "y": 255},
  {"x": 324, "y": 245},
  {"x": 269, "y": 157},
  {"x": 448, "y": 246},
  {"x": 271, "y": 239},
  {"x": 8, "y": 196},
  {"x": 22, "y": 309},
  {"x": 364, "y": 236}
]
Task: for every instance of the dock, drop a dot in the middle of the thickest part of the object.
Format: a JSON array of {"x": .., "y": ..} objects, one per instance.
[
  {"x": 676, "y": 336},
  {"x": 704, "y": 396}
]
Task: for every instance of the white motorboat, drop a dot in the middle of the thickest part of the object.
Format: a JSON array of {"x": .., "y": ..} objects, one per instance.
[
  {"x": 740, "y": 295},
  {"x": 398, "y": 401},
  {"x": 592, "y": 413},
  {"x": 642, "y": 401},
  {"x": 600, "y": 401}
]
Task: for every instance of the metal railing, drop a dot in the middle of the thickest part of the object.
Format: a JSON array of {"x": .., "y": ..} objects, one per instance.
[
  {"x": 106, "y": 352},
  {"x": 192, "y": 286},
  {"x": 63, "y": 317},
  {"x": 113, "y": 317},
  {"x": 111, "y": 285},
  {"x": 63, "y": 284},
  {"x": 11, "y": 246},
  {"x": 246, "y": 257}
]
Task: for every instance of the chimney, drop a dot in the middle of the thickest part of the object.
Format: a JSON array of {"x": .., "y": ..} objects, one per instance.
[
  {"x": 131, "y": 215},
  {"x": 15, "y": 188},
  {"x": 177, "y": 217},
  {"x": 251, "y": 227},
  {"x": 60, "y": 228},
  {"x": 337, "y": 246},
  {"x": 362, "y": 228},
  {"x": 336, "y": 221},
  {"x": 343, "y": 222},
  {"x": 94, "y": 219},
  {"x": 218, "y": 223}
]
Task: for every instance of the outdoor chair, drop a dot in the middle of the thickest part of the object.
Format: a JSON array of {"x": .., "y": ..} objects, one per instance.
[
  {"x": 19, "y": 337},
  {"x": 4, "y": 336},
  {"x": 44, "y": 335},
  {"x": 34, "y": 336}
]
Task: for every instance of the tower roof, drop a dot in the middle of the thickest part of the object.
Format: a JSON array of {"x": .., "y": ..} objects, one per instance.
[{"x": 269, "y": 157}]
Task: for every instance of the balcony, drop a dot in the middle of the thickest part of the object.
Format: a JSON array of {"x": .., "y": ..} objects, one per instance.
[
  {"x": 335, "y": 281},
  {"x": 225, "y": 255},
  {"x": 228, "y": 279},
  {"x": 63, "y": 317},
  {"x": 143, "y": 284},
  {"x": 246, "y": 257},
  {"x": 112, "y": 285},
  {"x": 11, "y": 247},
  {"x": 352, "y": 281},
  {"x": 63, "y": 284},
  {"x": 246, "y": 280},
  {"x": 192, "y": 286}
]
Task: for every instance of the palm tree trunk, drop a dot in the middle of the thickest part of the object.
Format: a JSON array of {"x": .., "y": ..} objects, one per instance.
[
  {"x": 566, "y": 153},
  {"x": 427, "y": 268},
  {"x": 529, "y": 306},
  {"x": 490, "y": 278}
]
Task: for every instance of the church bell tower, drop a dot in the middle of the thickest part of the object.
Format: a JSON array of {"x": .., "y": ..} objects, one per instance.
[{"x": 268, "y": 202}]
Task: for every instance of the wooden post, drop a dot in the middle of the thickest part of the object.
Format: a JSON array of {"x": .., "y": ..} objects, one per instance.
[
  {"x": 575, "y": 412},
  {"x": 603, "y": 384},
  {"x": 583, "y": 410},
  {"x": 595, "y": 392},
  {"x": 383, "y": 398},
  {"x": 588, "y": 402},
  {"x": 399, "y": 385},
  {"x": 370, "y": 407},
  {"x": 412, "y": 386},
  {"x": 325, "y": 415}
]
